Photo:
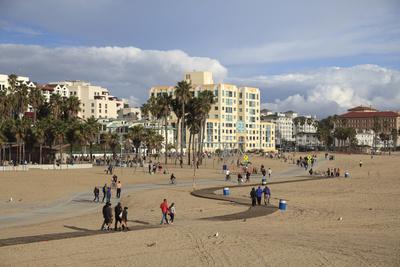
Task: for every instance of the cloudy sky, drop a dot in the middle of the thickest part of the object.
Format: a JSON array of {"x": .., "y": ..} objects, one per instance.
[{"x": 316, "y": 57}]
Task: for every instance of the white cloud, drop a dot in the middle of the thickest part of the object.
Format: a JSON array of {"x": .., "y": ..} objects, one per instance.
[
  {"x": 330, "y": 90},
  {"x": 126, "y": 71}
]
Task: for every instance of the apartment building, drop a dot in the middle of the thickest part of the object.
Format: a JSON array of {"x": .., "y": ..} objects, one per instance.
[
  {"x": 284, "y": 125},
  {"x": 234, "y": 120},
  {"x": 96, "y": 101}
]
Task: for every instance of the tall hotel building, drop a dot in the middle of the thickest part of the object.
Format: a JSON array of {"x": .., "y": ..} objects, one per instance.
[{"x": 234, "y": 120}]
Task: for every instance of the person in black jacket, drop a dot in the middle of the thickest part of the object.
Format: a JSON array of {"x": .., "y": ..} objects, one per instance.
[
  {"x": 253, "y": 196},
  {"x": 118, "y": 215},
  {"x": 107, "y": 215},
  {"x": 125, "y": 219},
  {"x": 96, "y": 192}
]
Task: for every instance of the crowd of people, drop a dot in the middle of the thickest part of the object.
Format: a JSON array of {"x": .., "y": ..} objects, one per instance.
[
  {"x": 120, "y": 215},
  {"x": 257, "y": 194}
]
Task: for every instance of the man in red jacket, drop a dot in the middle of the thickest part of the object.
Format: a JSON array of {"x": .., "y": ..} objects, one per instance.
[{"x": 164, "y": 210}]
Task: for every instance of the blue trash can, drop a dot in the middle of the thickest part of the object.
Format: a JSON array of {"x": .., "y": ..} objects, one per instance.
[
  {"x": 226, "y": 191},
  {"x": 282, "y": 204}
]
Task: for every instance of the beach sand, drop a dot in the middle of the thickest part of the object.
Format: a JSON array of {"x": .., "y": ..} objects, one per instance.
[{"x": 308, "y": 233}]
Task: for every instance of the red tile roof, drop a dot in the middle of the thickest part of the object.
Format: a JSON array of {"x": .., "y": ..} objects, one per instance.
[{"x": 353, "y": 114}]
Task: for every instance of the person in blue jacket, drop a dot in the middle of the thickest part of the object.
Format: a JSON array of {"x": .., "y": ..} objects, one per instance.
[{"x": 259, "y": 193}]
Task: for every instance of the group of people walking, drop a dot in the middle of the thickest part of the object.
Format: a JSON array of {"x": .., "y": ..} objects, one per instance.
[
  {"x": 257, "y": 194},
  {"x": 167, "y": 210},
  {"x": 120, "y": 214},
  {"x": 106, "y": 190}
]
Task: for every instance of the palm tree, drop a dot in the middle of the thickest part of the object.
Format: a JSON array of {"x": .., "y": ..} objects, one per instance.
[
  {"x": 137, "y": 135},
  {"x": 104, "y": 140},
  {"x": 59, "y": 131},
  {"x": 56, "y": 103},
  {"x": 193, "y": 119},
  {"x": 39, "y": 133},
  {"x": 92, "y": 130},
  {"x": 113, "y": 142},
  {"x": 153, "y": 140},
  {"x": 177, "y": 109},
  {"x": 163, "y": 112},
  {"x": 21, "y": 127},
  {"x": 72, "y": 134},
  {"x": 36, "y": 99},
  {"x": 183, "y": 95},
  {"x": 70, "y": 107},
  {"x": 206, "y": 99}
]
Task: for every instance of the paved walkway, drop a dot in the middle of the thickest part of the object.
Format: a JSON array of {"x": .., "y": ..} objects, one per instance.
[{"x": 81, "y": 203}]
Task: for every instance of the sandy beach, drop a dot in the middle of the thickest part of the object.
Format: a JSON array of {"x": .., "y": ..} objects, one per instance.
[{"x": 52, "y": 220}]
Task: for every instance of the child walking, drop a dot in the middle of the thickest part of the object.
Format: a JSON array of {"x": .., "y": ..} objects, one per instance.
[
  {"x": 124, "y": 219},
  {"x": 172, "y": 212}
]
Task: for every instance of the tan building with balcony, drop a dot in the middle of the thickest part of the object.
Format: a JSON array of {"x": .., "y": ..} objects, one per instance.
[
  {"x": 234, "y": 120},
  {"x": 96, "y": 101}
]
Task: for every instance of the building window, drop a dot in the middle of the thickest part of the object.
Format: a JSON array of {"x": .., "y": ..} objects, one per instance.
[
  {"x": 92, "y": 104},
  {"x": 216, "y": 108},
  {"x": 92, "y": 110}
]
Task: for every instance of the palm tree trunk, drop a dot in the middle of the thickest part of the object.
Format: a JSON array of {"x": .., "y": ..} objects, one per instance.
[
  {"x": 182, "y": 129},
  {"x": 90, "y": 151},
  {"x": 166, "y": 138},
  {"x": 188, "y": 151},
  {"x": 40, "y": 153},
  {"x": 194, "y": 148}
]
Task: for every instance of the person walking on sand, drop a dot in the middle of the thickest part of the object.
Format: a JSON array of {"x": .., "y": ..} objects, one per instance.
[
  {"x": 360, "y": 163},
  {"x": 164, "y": 210},
  {"x": 259, "y": 193},
  {"x": 172, "y": 212},
  {"x": 108, "y": 194},
  {"x": 107, "y": 215},
  {"x": 269, "y": 173},
  {"x": 119, "y": 187},
  {"x": 104, "y": 192},
  {"x": 118, "y": 215},
  {"x": 124, "y": 223},
  {"x": 267, "y": 195},
  {"x": 253, "y": 196},
  {"x": 96, "y": 192}
]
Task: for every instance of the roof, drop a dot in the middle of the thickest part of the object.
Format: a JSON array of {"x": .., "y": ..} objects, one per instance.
[
  {"x": 48, "y": 87},
  {"x": 354, "y": 114},
  {"x": 362, "y": 108}
]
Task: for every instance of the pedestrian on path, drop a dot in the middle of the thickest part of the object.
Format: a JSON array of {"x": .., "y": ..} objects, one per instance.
[
  {"x": 164, "y": 210},
  {"x": 96, "y": 193},
  {"x": 107, "y": 215},
  {"x": 104, "y": 192},
  {"x": 119, "y": 187},
  {"x": 118, "y": 215},
  {"x": 269, "y": 173},
  {"x": 172, "y": 212},
  {"x": 267, "y": 195},
  {"x": 259, "y": 193},
  {"x": 124, "y": 223},
  {"x": 253, "y": 196},
  {"x": 108, "y": 194},
  {"x": 360, "y": 163}
]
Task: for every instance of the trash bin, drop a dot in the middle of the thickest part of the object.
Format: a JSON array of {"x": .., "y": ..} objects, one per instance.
[
  {"x": 226, "y": 191},
  {"x": 282, "y": 204}
]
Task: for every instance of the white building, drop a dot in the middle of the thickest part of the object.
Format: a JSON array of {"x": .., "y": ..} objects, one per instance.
[
  {"x": 305, "y": 131},
  {"x": 133, "y": 114},
  {"x": 365, "y": 137},
  {"x": 283, "y": 125},
  {"x": 96, "y": 101},
  {"x": 51, "y": 89}
]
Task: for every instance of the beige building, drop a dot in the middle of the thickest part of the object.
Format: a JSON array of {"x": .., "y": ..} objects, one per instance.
[
  {"x": 96, "y": 101},
  {"x": 234, "y": 120}
]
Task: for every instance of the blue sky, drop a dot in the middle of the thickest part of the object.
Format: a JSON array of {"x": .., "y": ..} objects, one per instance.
[{"x": 242, "y": 41}]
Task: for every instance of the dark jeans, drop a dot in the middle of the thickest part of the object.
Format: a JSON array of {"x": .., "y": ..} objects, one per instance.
[
  {"x": 104, "y": 196},
  {"x": 96, "y": 197},
  {"x": 118, "y": 192},
  {"x": 259, "y": 200},
  {"x": 117, "y": 219},
  {"x": 253, "y": 202},
  {"x": 172, "y": 216}
]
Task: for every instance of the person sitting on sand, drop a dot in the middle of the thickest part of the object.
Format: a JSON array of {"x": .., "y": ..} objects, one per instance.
[{"x": 253, "y": 196}]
